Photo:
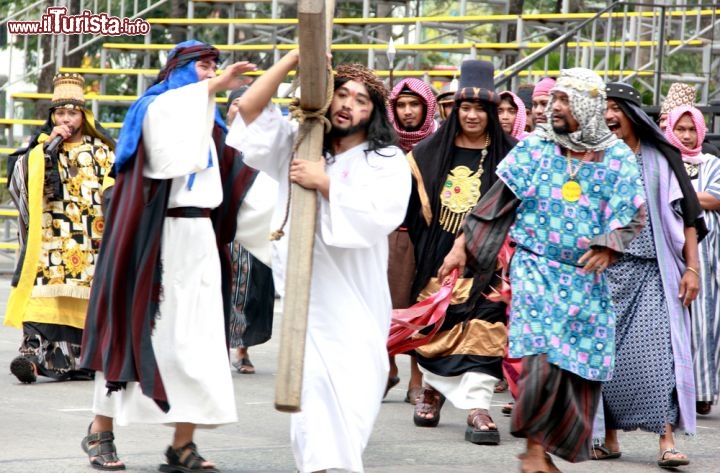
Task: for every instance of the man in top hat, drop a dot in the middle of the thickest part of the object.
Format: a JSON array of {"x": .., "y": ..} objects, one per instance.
[
  {"x": 411, "y": 110},
  {"x": 363, "y": 183},
  {"x": 58, "y": 188},
  {"x": 540, "y": 99},
  {"x": 156, "y": 326},
  {"x": 653, "y": 355},
  {"x": 456, "y": 166},
  {"x": 571, "y": 197}
]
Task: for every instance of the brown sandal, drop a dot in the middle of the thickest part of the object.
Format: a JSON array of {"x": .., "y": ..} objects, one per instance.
[
  {"x": 428, "y": 401},
  {"x": 479, "y": 430}
]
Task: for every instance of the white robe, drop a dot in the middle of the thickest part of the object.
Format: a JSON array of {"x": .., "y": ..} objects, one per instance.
[
  {"x": 189, "y": 336},
  {"x": 346, "y": 362}
]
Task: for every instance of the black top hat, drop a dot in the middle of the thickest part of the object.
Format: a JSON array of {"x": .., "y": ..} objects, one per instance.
[
  {"x": 476, "y": 82},
  {"x": 620, "y": 90}
]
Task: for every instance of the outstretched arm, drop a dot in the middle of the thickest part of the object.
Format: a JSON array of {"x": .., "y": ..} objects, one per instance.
[
  {"x": 254, "y": 100},
  {"x": 231, "y": 78}
]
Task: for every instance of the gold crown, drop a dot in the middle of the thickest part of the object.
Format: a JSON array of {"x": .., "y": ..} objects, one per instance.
[{"x": 68, "y": 90}]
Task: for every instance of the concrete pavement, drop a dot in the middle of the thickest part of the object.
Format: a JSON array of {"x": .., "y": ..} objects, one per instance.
[{"x": 41, "y": 426}]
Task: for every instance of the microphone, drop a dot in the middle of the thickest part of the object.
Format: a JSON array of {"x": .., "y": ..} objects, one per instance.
[{"x": 53, "y": 144}]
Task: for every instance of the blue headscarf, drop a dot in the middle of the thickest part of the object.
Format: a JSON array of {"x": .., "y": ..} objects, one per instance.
[{"x": 179, "y": 71}]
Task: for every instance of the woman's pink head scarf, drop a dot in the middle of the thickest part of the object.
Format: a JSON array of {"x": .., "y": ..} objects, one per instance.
[
  {"x": 699, "y": 121},
  {"x": 518, "y": 129}
]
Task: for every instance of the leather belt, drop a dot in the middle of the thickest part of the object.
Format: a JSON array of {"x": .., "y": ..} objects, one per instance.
[{"x": 188, "y": 212}]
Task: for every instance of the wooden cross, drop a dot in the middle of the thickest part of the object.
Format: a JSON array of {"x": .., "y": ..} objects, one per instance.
[{"x": 315, "y": 35}]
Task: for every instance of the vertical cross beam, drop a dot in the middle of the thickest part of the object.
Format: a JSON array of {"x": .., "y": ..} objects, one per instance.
[{"x": 315, "y": 33}]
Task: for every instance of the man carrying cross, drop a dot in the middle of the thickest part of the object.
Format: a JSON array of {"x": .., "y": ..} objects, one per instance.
[{"x": 363, "y": 185}]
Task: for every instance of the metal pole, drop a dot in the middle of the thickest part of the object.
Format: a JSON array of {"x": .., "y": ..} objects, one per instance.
[
  {"x": 391, "y": 60},
  {"x": 661, "y": 51}
]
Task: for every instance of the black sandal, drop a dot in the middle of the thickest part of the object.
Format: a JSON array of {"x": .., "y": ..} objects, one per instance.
[
  {"x": 476, "y": 420},
  {"x": 192, "y": 461},
  {"x": 100, "y": 449}
]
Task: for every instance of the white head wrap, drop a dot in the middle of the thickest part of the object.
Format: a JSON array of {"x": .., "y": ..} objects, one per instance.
[{"x": 586, "y": 93}]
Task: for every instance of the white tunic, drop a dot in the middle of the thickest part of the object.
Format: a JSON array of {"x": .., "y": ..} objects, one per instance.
[
  {"x": 346, "y": 361},
  {"x": 189, "y": 336}
]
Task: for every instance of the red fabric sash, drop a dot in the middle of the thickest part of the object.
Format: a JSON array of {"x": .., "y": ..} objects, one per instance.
[{"x": 407, "y": 323}]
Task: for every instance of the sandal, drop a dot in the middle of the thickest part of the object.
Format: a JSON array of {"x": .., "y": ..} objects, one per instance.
[
  {"x": 671, "y": 462},
  {"x": 551, "y": 467},
  {"x": 244, "y": 366},
  {"x": 703, "y": 407},
  {"x": 479, "y": 430},
  {"x": 428, "y": 401},
  {"x": 601, "y": 452},
  {"x": 192, "y": 460},
  {"x": 507, "y": 408},
  {"x": 501, "y": 386},
  {"x": 412, "y": 394},
  {"x": 24, "y": 369},
  {"x": 100, "y": 449},
  {"x": 391, "y": 383}
]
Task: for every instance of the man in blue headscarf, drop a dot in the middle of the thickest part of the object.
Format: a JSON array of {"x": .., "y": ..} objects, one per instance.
[{"x": 156, "y": 326}]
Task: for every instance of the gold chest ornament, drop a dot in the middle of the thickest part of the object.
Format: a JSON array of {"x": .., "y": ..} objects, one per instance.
[{"x": 460, "y": 193}]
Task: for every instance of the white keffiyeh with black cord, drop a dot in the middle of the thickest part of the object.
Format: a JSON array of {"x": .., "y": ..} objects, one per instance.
[{"x": 586, "y": 94}]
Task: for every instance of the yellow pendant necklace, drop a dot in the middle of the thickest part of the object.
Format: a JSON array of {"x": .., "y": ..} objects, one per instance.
[{"x": 571, "y": 190}]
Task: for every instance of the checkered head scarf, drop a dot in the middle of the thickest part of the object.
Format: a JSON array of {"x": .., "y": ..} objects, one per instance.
[
  {"x": 417, "y": 88},
  {"x": 586, "y": 93}
]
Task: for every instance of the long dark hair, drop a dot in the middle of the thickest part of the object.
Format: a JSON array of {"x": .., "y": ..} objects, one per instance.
[
  {"x": 440, "y": 147},
  {"x": 380, "y": 133},
  {"x": 434, "y": 157}
]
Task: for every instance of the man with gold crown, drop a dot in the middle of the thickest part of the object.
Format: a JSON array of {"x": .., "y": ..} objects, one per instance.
[{"x": 58, "y": 188}]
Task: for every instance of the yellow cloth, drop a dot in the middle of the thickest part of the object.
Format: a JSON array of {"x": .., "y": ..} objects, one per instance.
[
  {"x": 20, "y": 295},
  {"x": 56, "y": 310},
  {"x": 28, "y": 303}
]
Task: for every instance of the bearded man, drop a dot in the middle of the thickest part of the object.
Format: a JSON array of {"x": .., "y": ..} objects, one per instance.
[
  {"x": 363, "y": 183},
  {"x": 571, "y": 197}
]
